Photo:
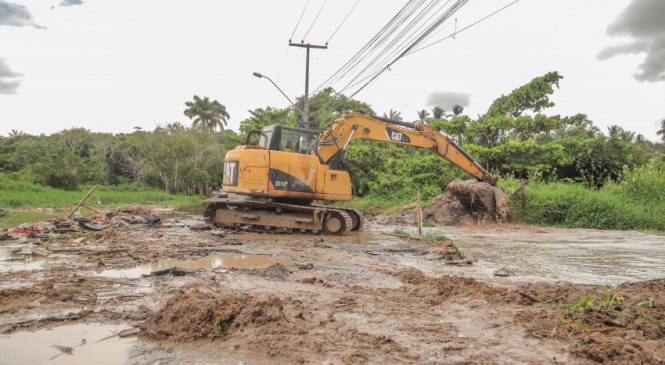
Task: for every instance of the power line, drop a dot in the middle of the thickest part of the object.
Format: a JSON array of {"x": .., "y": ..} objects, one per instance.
[
  {"x": 398, "y": 44},
  {"x": 465, "y": 28},
  {"x": 367, "y": 45},
  {"x": 454, "y": 8},
  {"x": 299, "y": 19},
  {"x": 315, "y": 18},
  {"x": 343, "y": 21}
]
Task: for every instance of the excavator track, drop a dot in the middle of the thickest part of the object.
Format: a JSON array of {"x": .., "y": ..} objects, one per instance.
[{"x": 281, "y": 217}]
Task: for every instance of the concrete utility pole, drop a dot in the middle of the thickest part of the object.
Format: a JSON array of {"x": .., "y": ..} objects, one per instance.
[{"x": 305, "y": 102}]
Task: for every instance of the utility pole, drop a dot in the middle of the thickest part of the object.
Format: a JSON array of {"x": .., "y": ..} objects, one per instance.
[{"x": 305, "y": 103}]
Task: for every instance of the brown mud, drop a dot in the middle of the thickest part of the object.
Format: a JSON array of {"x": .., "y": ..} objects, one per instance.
[{"x": 371, "y": 297}]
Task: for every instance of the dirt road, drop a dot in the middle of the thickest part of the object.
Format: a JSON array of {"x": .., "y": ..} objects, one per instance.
[{"x": 169, "y": 294}]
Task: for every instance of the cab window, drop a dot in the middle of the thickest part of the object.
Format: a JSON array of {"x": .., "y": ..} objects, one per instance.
[
  {"x": 264, "y": 139},
  {"x": 289, "y": 141}
]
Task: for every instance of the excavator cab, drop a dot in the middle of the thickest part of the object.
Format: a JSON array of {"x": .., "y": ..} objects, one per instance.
[
  {"x": 279, "y": 138},
  {"x": 279, "y": 162}
]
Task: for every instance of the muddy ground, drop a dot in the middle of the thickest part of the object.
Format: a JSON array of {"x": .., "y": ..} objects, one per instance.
[{"x": 165, "y": 293}]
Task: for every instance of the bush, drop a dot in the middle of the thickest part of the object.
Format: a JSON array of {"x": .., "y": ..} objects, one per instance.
[{"x": 635, "y": 203}]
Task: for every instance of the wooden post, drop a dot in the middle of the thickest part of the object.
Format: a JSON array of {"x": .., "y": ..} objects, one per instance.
[
  {"x": 419, "y": 215},
  {"x": 523, "y": 193},
  {"x": 81, "y": 202}
]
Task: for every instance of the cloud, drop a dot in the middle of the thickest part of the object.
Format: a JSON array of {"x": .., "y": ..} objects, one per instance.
[
  {"x": 641, "y": 20},
  {"x": 623, "y": 48},
  {"x": 15, "y": 15},
  {"x": 71, "y": 2},
  {"x": 8, "y": 79},
  {"x": 446, "y": 99}
]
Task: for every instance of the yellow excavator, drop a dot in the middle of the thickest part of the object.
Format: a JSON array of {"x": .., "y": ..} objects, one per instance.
[{"x": 288, "y": 168}]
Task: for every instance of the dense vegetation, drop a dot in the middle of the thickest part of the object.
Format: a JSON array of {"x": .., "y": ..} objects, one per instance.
[{"x": 578, "y": 176}]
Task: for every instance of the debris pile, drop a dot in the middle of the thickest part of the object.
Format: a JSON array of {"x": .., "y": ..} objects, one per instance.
[
  {"x": 481, "y": 198},
  {"x": 446, "y": 210},
  {"x": 468, "y": 201},
  {"x": 118, "y": 217}
]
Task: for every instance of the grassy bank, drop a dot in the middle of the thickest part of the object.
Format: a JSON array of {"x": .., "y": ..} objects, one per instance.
[
  {"x": 18, "y": 200},
  {"x": 636, "y": 202}
]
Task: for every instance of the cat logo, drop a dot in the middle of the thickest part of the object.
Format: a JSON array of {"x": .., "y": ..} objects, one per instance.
[
  {"x": 230, "y": 173},
  {"x": 397, "y": 136}
]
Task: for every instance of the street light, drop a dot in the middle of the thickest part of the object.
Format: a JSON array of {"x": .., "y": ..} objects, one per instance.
[{"x": 259, "y": 75}]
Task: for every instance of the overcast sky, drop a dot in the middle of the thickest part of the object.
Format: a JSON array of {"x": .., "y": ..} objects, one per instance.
[{"x": 112, "y": 65}]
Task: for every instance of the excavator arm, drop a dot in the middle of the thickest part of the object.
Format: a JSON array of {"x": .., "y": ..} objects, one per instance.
[{"x": 349, "y": 127}]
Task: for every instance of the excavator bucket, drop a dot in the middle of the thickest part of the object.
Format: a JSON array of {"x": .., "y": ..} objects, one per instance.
[{"x": 481, "y": 197}]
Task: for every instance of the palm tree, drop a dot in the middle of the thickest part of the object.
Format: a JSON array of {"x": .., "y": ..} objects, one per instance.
[
  {"x": 438, "y": 112},
  {"x": 393, "y": 114},
  {"x": 206, "y": 113},
  {"x": 423, "y": 114},
  {"x": 627, "y": 136},
  {"x": 661, "y": 131},
  {"x": 458, "y": 109},
  {"x": 614, "y": 131}
]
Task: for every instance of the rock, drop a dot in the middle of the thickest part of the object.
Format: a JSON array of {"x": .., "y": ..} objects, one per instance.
[
  {"x": 199, "y": 227},
  {"x": 503, "y": 272},
  {"x": 218, "y": 233},
  {"x": 308, "y": 280}
]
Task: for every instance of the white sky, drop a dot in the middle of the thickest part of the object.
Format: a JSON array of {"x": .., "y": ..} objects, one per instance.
[{"x": 112, "y": 65}]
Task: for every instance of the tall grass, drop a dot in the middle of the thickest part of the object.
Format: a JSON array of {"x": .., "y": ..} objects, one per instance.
[
  {"x": 638, "y": 202},
  {"x": 22, "y": 194}
]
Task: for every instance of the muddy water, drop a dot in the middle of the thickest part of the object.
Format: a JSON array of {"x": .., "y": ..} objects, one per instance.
[
  {"x": 231, "y": 261},
  {"x": 364, "y": 237},
  {"x": 580, "y": 256},
  {"x": 70, "y": 344}
]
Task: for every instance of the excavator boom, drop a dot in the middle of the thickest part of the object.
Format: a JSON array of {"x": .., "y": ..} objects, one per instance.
[{"x": 353, "y": 126}]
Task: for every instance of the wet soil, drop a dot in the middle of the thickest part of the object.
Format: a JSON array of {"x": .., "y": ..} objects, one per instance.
[{"x": 187, "y": 296}]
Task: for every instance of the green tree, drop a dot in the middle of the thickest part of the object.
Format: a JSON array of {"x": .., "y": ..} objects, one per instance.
[
  {"x": 206, "y": 113},
  {"x": 326, "y": 105},
  {"x": 422, "y": 115},
  {"x": 261, "y": 117},
  {"x": 458, "y": 110},
  {"x": 533, "y": 96},
  {"x": 393, "y": 114},
  {"x": 438, "y": 112}
]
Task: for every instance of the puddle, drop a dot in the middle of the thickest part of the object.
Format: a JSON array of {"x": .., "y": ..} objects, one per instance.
[
  {"x": 231, "y": 261},
  {"x": 51, "y": 346},
  {"x": 580, "y": 256},
  {"x": 181, "y": 212},
  {"x": 16, "y": 262}
]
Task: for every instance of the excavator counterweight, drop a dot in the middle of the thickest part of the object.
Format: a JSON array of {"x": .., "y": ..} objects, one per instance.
[{"x": 289, "y": 168}]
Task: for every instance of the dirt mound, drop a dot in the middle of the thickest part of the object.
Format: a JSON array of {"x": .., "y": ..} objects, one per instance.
[
  {"x": 198, "y": 314},
  {"x": 280, "y": 327},
  {"x": 481, "y": 198},
  {"x": 446, "y": 210},
  {"x": 139, "y": 210}
]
